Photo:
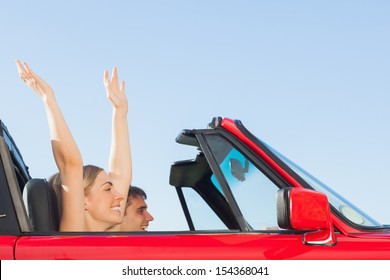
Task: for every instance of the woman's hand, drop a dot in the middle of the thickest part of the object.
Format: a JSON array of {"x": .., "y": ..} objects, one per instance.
[
  {"x": 115, "y": 93},
  {"x": 33, "y": 81}
]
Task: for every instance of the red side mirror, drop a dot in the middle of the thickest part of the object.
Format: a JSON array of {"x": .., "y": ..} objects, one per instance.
[{"x": 308, "y": 210}]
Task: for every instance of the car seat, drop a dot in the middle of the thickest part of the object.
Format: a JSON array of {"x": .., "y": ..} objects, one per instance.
[{"x": 41, "y": 204}]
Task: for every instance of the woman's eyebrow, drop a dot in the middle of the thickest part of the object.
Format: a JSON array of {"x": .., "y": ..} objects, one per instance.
[{"x": 105, "y": 183}]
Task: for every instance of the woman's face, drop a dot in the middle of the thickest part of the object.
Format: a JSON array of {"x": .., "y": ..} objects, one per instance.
[{"x": 103, "y": 204}]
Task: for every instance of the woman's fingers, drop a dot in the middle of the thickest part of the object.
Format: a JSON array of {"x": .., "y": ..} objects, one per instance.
[
  {"x": 112, "y": 83},
  {"x": 20, "y": 67},
  {"x": 106, "y": 81},
  {"x": 24, "y": 72},
  {"x": 28, "y": 69},
  {"x": 122, "y": 89},
  {"x": 114, "y": 76},
  {"x": 32, "y": 80}
]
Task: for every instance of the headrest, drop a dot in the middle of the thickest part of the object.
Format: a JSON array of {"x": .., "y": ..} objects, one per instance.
[{"x": 41, "y": 204}]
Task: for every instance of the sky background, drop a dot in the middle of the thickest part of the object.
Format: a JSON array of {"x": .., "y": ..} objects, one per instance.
[{"x": 310, "y": 78}]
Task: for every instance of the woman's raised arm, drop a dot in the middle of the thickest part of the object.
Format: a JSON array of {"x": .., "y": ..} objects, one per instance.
[
  {"x": 66, "y": 153},
  {"x": 120, "y": 164}
]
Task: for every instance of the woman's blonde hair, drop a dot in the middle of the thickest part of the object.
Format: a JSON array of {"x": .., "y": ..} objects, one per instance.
[{"x": 90, "y": 173}]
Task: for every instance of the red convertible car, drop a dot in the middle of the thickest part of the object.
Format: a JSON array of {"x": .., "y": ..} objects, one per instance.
[{"x": 241, "y": 198}]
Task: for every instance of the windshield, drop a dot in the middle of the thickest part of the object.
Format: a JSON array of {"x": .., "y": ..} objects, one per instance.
[{"x": 340, "y": 204}]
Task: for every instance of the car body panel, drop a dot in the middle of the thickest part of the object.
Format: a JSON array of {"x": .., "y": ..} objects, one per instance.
[
  {"x": 7, "y": 247},
  {"x": 244, "y": 246}
]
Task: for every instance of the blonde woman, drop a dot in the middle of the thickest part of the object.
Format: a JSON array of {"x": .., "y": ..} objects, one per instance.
[{"x": 90, "y": 198}]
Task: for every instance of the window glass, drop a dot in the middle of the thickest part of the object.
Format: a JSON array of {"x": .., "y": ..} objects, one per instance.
[
  {"x": 203, "y": 217},
  {"x": 253, "y": 191}
]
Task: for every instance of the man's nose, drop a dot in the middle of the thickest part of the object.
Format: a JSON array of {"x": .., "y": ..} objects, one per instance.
[{"x": 149, "y": 217}]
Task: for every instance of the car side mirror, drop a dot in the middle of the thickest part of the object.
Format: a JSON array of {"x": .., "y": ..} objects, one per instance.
[{"x": 308, "y": 210}]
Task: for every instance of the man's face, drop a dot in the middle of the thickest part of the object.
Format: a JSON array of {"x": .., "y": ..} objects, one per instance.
[{"x": 136, "y": 217}]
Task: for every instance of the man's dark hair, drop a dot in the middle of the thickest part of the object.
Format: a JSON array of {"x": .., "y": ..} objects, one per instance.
[{"x": 135, "y": 192}]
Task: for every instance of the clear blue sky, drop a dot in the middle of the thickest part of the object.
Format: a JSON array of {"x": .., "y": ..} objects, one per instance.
[{"x": 311, "y": 78}]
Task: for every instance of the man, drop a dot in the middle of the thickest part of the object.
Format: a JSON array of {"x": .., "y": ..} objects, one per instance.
[{"x": 137, "y": 216}]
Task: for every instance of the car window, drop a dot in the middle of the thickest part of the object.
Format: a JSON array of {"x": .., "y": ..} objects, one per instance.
[
  {"x": 253, "y": 191},
  {"x": 203, "y": 217}
]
